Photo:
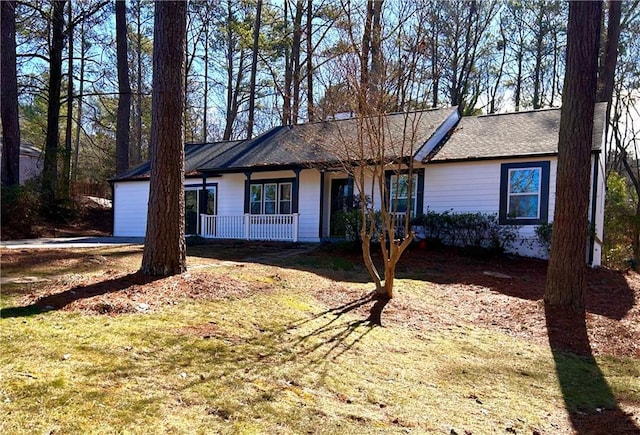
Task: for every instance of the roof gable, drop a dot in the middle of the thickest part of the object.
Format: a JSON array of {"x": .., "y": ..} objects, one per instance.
[{"x": 503, "y": 135}]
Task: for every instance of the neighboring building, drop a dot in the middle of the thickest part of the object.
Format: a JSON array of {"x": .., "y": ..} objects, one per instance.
[
  {"x": 31, "y": 161},
  {"x": 287, "y": 183}
]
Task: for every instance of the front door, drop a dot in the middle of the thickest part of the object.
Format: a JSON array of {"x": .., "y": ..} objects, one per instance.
[
  {"x": 339, "y": 205},
  {"x": 195, "y": 204},
  {"x": 191, "y": 212}
]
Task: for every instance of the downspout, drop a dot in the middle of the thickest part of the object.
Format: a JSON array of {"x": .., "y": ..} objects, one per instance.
[{"x": 594, "y": 197}]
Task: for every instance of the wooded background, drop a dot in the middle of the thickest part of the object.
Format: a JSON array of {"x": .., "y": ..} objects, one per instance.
[{"x": 84, "y": 73}]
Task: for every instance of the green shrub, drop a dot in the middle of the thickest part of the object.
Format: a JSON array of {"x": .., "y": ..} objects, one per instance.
[
  {"x": 20, "y": 209},
  {"x": 543, "y": 236},
  {"x": 619, "y": 222},
  {"x": 468, "y": 230}
]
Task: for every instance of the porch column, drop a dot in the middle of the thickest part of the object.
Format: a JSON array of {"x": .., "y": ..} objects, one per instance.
[
  {"x": 202, "y": 205},
  {"x": 247, "y": 191},
  {"x": 296, "y": 191},
  {"x": 321, "y": 214}
]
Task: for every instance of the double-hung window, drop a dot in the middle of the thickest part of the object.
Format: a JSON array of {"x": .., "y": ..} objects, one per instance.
[
  {"x": 270, "y": 198},
  {"x": 402, "y": 193},
  {"x": 524, "y": 193}
]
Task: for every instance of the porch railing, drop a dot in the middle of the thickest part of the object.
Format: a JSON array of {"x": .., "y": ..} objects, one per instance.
[{"x": 250, "y": 227}]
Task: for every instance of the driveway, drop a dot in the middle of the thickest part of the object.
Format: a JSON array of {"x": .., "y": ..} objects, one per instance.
[{"x": 70, "y": 242}]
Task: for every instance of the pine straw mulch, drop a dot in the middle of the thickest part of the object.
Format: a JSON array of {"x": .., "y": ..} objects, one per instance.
[
  {"x": 118, "y": 293},
  {"x": 507, "y": 295},
  {"x": 450, "y": 291}
]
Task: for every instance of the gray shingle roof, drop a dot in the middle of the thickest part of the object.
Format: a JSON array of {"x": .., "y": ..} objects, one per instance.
[
  {"x": 195, "y": 155},
  {"x": 510, "y": 134},
  {"x": 327, "y": 142},
  {"x": 479, "y": 137}
]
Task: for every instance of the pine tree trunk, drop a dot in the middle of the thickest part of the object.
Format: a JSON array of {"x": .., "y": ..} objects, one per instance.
[
  {"x": 76, "y": 149},
  {"x": 165, "y": 249},
  {"x": 310, "y": 103},
  {"x": 606, "y": 78},
  {"x": 566, "y": 274},
  {"x": 65, "y": 183},
  {"x": 9, "y": 96},
  {"x": 254, "y": 69},
  {"x": 50, "y": 167},
  {"x": 124, "y": 90}
]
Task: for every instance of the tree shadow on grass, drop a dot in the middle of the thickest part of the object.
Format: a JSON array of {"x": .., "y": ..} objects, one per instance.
[
  {"x": 58, "y": 301},
  {"x": 591, "y": 405},
  {"x": 341, "y": 331}
]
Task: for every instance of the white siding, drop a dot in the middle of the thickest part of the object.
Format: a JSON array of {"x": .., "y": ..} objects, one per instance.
[
  {"x": 599, "y": 215},
  {"x": 475, "y": 187},
  {"x": 230, "y": 194},
  {"x": 309, "y": 206},
  {"x": 130, "y": 200}
]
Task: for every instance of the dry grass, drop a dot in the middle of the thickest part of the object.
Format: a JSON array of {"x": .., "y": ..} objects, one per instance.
[{"x": 241, "y": 347}]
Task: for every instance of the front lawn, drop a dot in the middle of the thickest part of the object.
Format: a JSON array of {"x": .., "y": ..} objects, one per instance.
[{"x": 281, "y": 344}]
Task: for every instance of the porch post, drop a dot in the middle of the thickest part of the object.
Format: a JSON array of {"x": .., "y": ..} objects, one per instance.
[
  {"x": 247, "y": 226},
  {"x": 321, "y": 213},
  {"x": 247, "y": 191},
  {"x": 202, "y": 205},
  {"x": 296, "y": 191},
  {"x": 295, "y": 226}
]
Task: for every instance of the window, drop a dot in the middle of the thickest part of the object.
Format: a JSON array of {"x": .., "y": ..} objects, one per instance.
[
  {"x": 400, "y": 198},
  {"x": 524, "y": 193},
  {"x": 399, "y": 193},
  {"x": 270, "y": 198}
]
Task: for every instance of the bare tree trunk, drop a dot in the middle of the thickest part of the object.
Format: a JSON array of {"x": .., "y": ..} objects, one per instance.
[
  {"x": 288, "y": 73},
  {"x": 494, "y": 90},
  {"x": 537, "y": 69},
  {"x": 136, "y": 152},
  {"x": 376, "y": 71},
  {"x": 165, "y": 249},
  {"x": 606, "y": 75},
  {"x": 50, "y": 167},
  {"x": 435, "y": 58},
  {"x": 9, "y": 95},
  {"x": 518, "y": 91},
  {"x": 76, "y": 150},
  {"x": 310, "y": 103},
  {"x": 65, "y": 183},
  {"x": 205, "y": 124},
  {"x": 232, "y": 96},
  {"x": 254, "y": 68},
  {"x": 295, "y": 60},
  {"x": 566, "y": 274},
  {"x": 124, "y": 90}
]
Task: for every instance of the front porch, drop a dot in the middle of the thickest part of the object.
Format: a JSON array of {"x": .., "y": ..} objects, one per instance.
[{"x": 277, "y": 227}]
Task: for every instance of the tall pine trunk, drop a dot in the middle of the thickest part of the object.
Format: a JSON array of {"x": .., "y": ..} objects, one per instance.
[
  {"x": 566, "y": 274},
  {"x": 65, "y": 183},
  {"x": 254, "y": 69},
  {"x": 50, "y": 167},
  {"x": 9, "y": 95},
  {"x": 310, "y": 103},
  {"x": 124, "y": 90},
  {"x": 165, "y": 249},
  {"x": 76, "y": 149}
]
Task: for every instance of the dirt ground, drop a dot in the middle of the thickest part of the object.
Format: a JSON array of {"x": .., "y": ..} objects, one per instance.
[{"x": 497, "y": 293}]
